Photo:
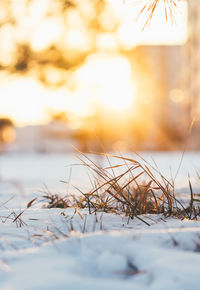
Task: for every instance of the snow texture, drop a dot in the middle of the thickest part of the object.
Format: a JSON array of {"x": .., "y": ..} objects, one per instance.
[{"x": 60, "y": 249}]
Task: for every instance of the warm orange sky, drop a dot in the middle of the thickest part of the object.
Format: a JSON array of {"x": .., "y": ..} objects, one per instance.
[{"x": 104, "y": 78}]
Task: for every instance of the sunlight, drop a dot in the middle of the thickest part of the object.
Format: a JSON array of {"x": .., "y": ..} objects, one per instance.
[
  {"x": 22, "y": 100},
  {"x": 108, "y": 81},
  {"x": 47, "y": 33},
  {"x": 77, "y": 39}
]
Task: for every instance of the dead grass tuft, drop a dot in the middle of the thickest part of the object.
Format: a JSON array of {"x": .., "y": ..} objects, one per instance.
[{"x": 126, "y": 193}]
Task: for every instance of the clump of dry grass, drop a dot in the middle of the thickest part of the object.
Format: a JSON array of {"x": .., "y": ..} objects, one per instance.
[
  {"x": 126, "y": 193},
  {"x": 13, "y": 215},
  {"x": 54, "y": 200}
]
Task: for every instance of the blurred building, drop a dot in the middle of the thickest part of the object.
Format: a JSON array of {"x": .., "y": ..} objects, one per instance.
[
  {"x": 163, "y": 102},
  {"x": 53, "y": 137}
]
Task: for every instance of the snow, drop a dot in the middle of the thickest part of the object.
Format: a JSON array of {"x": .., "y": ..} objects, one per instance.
[{"x": 60, "y": 249}]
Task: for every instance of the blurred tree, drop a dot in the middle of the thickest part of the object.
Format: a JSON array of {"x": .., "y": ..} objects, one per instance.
[
  {"x": 7, "y": 133},
  {"x": 50, "y": 38}
]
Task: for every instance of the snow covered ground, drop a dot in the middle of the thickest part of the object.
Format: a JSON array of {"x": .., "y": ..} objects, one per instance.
[{"x": 61, "y": 249}]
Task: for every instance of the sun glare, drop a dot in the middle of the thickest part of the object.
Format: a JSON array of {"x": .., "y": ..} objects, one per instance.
[
  {"x": 107, "y": 80},
  {"x": 22, "y": 101}
]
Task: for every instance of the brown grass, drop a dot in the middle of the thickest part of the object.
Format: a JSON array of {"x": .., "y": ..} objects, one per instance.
[{"x": 126, "y": 193}]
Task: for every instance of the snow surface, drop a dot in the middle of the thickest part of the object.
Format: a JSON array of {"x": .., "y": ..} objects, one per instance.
[{"x": 61, "y": 249}]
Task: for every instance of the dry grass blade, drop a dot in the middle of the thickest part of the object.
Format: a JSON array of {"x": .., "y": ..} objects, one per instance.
[
  {"x": 18, "y": 216},
  {"x": 30, "y": 203},
  {"x": 170, "y": 7}
]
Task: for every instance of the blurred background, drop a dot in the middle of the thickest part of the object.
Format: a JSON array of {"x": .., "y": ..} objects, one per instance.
[{"x": 99, "y": 75}]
